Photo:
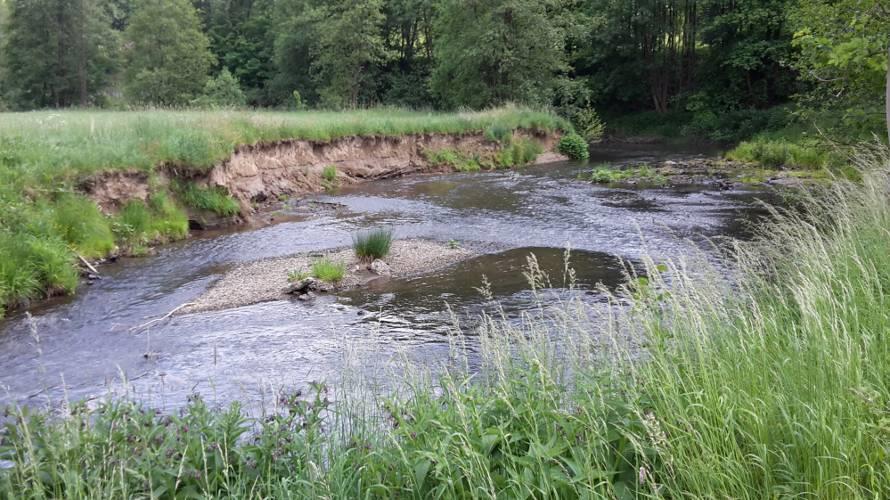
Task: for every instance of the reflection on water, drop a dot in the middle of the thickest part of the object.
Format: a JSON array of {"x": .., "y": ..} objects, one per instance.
[{"x": 84, "y": 346}]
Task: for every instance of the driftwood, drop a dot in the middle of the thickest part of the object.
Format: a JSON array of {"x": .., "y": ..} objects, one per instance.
[
  {"x": 162, "y": 318},
  {"x": 87, "y": 264}
]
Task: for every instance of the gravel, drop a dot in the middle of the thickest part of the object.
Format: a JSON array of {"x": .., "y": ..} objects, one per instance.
[{"x": 266, "y": 280}]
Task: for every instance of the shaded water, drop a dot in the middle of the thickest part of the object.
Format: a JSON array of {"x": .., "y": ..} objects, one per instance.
[{"x": 82, "y": 347}]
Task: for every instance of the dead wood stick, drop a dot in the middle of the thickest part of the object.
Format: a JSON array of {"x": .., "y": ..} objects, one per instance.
[
  {"x": 162, "y": 318},
  {"x": 87, "y": 263}
]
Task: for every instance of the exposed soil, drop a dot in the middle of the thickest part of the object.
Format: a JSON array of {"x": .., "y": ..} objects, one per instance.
[
  {"x": 267, "y": 280},
  {"x": 258, "y": 174}
]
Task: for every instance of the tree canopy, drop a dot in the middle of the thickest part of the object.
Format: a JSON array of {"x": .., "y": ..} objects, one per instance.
[{"x": 704, "y": 57}]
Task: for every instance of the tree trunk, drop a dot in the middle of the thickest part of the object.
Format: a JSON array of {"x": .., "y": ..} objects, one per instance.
[{"x": 887, "y": 104}]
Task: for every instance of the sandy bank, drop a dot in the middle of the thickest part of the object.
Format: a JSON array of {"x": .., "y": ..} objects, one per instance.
[{"x": 267, "y": 280}]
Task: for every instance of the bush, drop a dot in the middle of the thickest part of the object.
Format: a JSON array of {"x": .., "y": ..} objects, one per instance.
[
  {"x": 574, "y": 146},
  {"x": 373, "y": 244},
  {"x": 326, "y": 269},
  {"x": 224, "y": 91},
  {"x": 587, "y": 121}
]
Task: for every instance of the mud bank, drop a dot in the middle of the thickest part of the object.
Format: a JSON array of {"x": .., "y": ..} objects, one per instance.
[
  {"x": 267, "y": 280},
  {"x": 256, "y": 175}
]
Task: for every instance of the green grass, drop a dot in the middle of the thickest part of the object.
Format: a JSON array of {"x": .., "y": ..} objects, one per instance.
[
  {"x": 295, "y": 275},
  {"x": 372, "y": 244},
  {"x": 773, "y": 384},
  {"x": 514, "y": 153},
  {"x": 212, "y": 199},
  {"x": 453, "y": 158},
  {"x": 329, "y": 173},
  {"x": 138, "y": 224},
  {"x": 643, "y": 174},
  {"x": 328, "y": 270}
]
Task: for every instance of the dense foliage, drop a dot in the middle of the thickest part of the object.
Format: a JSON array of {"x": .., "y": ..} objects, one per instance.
[{"x": 711, "y": 66}]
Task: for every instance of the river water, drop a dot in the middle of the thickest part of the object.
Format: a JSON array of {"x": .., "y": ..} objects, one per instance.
[{"x": 83, "y": 347}]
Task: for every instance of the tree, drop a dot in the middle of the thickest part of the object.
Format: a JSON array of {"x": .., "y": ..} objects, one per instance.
[
  {"x": 744, "y": 51},
  {"x": 348, "y": 48},
  {"x": 223, "y": 91},
  {"x": 56, "y": 53},
  {"x": 493, "y": 51},
  {"x": 242, "y": 38},
  {"x": 843, "y": 53},
  {"x": 408, "y": 38},
  {"x": 168, "y": 56}
]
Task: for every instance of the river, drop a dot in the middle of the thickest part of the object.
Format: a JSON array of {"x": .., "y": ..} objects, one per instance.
[{"x": 82, "y": 347}]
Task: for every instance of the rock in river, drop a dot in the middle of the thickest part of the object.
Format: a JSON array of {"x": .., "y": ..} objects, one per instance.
[
  {"x": 380, "y": 268},
  {"x": 303, "y": 286}
]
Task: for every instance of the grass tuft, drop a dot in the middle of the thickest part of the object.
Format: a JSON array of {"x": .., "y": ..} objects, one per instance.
[
  {"x": 328, "y": 270},
  {"x": 373, "y": 244}
]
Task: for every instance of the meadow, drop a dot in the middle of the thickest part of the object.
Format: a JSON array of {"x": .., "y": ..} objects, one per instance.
[
  {"x": 769, "y": 381},
  {"x": 46, "y": 222}
]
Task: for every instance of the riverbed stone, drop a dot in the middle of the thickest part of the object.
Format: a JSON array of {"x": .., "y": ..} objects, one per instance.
[
  {"x": 380, "y": 268},
  {"x": 303, "y": 286}
]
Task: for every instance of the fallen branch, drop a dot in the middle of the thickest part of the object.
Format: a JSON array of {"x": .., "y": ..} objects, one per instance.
[
  {"x": 162, "y": 318},
  {"x": 89, "y": 266}
]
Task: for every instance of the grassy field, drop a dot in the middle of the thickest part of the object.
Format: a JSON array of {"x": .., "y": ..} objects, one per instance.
[
  {"x": 45, "y": 222},
  {"x": 773, "y": 383}
]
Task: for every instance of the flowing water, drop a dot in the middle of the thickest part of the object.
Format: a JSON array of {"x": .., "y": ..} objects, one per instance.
[{"x": 83, "y": 347}]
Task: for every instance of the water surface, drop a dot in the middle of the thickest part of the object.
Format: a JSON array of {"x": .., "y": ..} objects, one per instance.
[{"x": 83, "y": 347}]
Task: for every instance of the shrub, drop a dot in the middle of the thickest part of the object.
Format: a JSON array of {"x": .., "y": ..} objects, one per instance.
[
  {"x": 589, "y": 124},
  {"x": 326, "y": 269},
  {"x": 373, "y": 244},
  {"x": 642, "y": 173},
  {"x": 223, "y": 91},
  {"x": 574, "y": 146},
  {"x": 215, "y": 199}
]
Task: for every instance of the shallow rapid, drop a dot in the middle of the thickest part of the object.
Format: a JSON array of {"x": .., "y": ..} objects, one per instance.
[{"x": 85, "y": 346}]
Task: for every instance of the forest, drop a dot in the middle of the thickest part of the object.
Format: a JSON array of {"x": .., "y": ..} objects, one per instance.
[{"x": 716, "y": 69}]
